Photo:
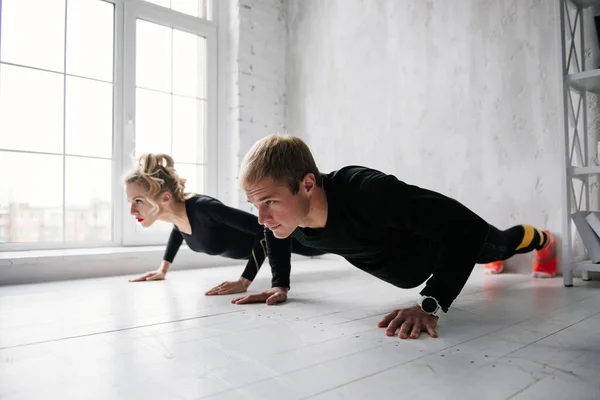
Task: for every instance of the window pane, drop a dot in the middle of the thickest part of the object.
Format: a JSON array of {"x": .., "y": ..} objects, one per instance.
[
  {"x": 188, "y": 129},
  {"x": 31, "y": 109},
  {"x": 189, "y": 64},
  {"x": 194, "y": 175},
  {"x": 90, "y": 30},
  {"x": 195, "y": 8},
  {"x": 153, "y": 122},
  {"x": 21, "y": 19},
  {"x": 31, "y": 200},
  {"x": 89, "y": 117},
  {"x": 88, "y": 199},
  {"x": 153, "y": 62}
]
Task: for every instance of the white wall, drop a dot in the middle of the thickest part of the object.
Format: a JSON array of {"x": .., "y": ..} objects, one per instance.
[
  {"x": 255, "y": 41},
  {"x": 462, "y": 100}
]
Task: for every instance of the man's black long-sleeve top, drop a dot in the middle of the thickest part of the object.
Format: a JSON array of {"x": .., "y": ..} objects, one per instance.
[{"x": 400, "y": 233}]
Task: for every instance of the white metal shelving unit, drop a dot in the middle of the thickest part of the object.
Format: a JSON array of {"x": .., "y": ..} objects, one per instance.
[{"x": 577, "y": 80}]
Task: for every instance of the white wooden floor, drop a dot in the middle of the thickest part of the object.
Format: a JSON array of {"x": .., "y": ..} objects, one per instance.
[{"x": 506, "y": 337}]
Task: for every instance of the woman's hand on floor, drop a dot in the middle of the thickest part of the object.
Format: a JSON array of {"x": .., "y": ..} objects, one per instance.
[
  {"x": 230, "y": 287},
  {"x": 271, "y": 296},
  {"x": 157, "y": 275}
]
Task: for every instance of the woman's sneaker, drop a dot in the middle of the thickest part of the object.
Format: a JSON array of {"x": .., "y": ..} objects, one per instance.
[
  {"x": 495, "y": 267},
  {"x": 544, "y": 265}
]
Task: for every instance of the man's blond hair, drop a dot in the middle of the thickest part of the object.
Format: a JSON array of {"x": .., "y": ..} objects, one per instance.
[{"x": 283, "y": 158}]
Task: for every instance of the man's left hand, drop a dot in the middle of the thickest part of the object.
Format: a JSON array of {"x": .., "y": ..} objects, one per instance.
[
  {"x": 272, "y": 296},
  {"x": 411, "y": 321}
]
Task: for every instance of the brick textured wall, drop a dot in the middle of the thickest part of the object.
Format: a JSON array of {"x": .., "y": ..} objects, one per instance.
[{"x": 257, "y": 45}]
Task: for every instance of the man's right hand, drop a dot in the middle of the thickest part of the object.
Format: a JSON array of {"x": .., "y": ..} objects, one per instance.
[
  {"x": 157, "y": 275},
  {"x": 411, "y": 321},
  {"x": 271, "y": 296}
]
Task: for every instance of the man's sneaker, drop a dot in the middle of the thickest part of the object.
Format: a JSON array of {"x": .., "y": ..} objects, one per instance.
[
  {"x": 494, "y": 267},
  {"x": 544, "y": 265}
]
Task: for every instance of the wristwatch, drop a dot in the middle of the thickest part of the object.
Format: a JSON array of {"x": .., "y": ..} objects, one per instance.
[{"x": 430, "y": 305}]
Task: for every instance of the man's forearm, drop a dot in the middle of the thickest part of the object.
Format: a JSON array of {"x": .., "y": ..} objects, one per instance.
[
  {"x": 256, "y": 259},
  {"x": 450, "y": 276},
  {"x": 279, "y": 252}
]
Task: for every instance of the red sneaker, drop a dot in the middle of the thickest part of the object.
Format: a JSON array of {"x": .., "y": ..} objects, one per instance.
[
  {"x": 544, "y": 265},
  {"x": 494, "y": 267}
]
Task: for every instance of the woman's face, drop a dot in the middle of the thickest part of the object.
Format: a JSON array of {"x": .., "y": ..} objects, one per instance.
[{"x": 141, "y": 209}]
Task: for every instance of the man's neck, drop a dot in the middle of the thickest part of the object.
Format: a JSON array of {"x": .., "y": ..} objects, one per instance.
[{"x": 317, "y": 214}]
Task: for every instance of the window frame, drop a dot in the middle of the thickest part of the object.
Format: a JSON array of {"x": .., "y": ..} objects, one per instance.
[{"x": 125, "y": 14}]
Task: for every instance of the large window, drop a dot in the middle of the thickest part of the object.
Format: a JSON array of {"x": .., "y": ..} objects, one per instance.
[{"x": 85, "y": 87}]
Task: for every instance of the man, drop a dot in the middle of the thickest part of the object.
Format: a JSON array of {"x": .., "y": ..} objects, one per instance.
[{"x": 402, "y": 234}]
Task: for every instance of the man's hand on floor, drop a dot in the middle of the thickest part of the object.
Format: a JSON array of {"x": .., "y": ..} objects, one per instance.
[
  {"x": 230, "y": 287},
  {"x": 271, "y": 296},
  {"x": 411, "y": 321}
]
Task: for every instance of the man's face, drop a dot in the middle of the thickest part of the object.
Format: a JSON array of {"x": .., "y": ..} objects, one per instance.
[{"x": 278, "y": 209}]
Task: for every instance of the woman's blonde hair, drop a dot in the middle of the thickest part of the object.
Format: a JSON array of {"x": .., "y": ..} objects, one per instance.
[
  {"x": 283, "y": 158},
  {"x": 156, "y": 173}
]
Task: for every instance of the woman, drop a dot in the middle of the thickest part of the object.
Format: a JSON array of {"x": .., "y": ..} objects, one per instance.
[{"x": 156, "y": 192}]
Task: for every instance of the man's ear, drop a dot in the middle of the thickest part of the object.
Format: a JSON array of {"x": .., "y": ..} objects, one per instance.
[{"x": 309, "y": 182}]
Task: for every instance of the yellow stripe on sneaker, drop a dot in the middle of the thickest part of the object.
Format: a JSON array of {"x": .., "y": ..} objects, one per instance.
[
  {"x": 542, "y": 237},
  {"x": 528, "y": 237}
]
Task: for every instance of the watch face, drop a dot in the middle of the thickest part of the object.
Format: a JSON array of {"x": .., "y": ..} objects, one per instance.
[{"x": 429, "y": 305}]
